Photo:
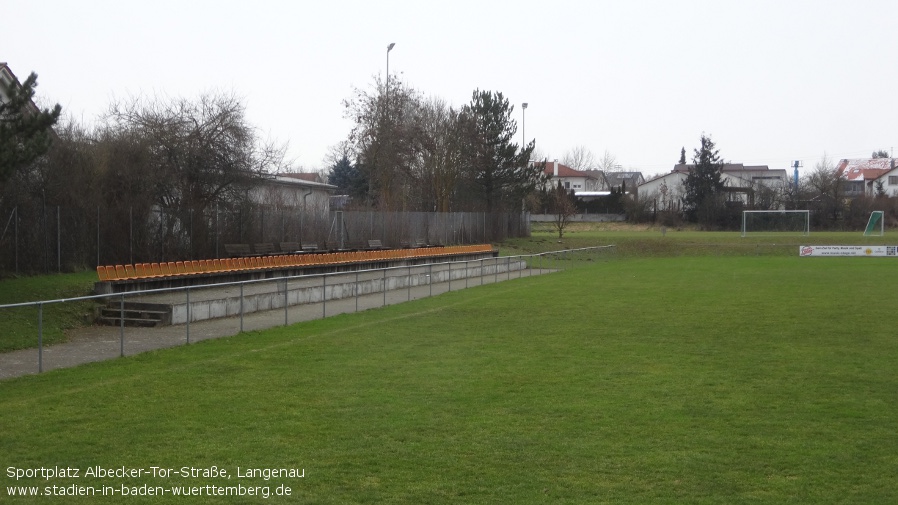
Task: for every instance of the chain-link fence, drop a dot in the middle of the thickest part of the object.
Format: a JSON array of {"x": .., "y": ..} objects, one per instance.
[{"x": 62, "y": 239}]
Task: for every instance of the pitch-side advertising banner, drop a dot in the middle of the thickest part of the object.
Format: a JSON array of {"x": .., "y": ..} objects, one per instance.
[{"x": 848, "y": 250}]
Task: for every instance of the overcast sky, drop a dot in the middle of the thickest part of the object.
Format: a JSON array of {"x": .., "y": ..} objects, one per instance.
[{"x": 770, "y": 81}]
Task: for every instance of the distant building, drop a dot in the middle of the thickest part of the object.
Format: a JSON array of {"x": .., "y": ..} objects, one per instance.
[
  {"x": 741, "y": 182},
  {"x": 860, "y": 175},
  {"x": 293, "y": 192},
  {"x": 570, "y": 179},
  {"x": 890, "y": 181}
]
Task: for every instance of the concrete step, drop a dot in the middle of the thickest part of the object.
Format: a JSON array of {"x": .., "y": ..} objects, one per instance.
[{"x": 135, "y": 314}]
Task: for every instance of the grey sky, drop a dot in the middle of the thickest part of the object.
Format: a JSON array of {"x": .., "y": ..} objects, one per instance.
[{"x": 770, "y": 81}]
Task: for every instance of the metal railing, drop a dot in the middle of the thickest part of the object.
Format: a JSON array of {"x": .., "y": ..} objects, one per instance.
[{"x": 307, "y": 297}]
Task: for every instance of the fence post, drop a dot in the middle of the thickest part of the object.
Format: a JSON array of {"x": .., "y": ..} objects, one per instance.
[
  {"x": 98, "y": 235},
  {"x": 286, "y": 300},
  {"x": 384, "y": 285},
  {"x": 430, "y": 277},
  {"x": 356, "y": 290},
  {"x": 40, "y": 337},
  {"x": 467, "y": 273},
  {"x": 241, "y": 307},
  {"x": 58, "y": 242},
  {"x": 188, "y": 315},
  {"x": 121, "y": 328},
  {"x": 449, "y": 264},
  {"x": 323, "y": 296},
  {"x": 409, "y": 297},
  {"x": 16, "y": 224}
]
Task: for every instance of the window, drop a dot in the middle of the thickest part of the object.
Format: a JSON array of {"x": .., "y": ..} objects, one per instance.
[{"x": 893, "y": 180}]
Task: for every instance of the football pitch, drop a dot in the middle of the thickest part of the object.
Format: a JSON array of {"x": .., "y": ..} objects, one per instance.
[{"x": 692, "y": 379}]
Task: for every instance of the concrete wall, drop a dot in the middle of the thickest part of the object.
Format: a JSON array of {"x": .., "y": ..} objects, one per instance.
[{"x": 315, "y": 289}]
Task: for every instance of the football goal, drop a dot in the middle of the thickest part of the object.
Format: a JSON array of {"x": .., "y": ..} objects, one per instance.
[
  {"x": 875, "y": 225},
  {"x": 760, "y": 222}
]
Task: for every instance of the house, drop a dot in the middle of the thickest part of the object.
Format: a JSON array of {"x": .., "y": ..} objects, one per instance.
[
  {"x": 860, "y": 175},
  {"x": 743, "y": 184},
  {"x": 889, "y": 181},
  {"x": 293, "y": 192},
  {"x": 572, "y": 180},
  {"x": 7, "y": 80},
  {"x": 627, "y": 180}
]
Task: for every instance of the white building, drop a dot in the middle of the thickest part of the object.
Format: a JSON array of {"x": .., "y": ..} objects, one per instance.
[
  {"x": 293, "y": 191},
  {"x": 742, "y": 183}
]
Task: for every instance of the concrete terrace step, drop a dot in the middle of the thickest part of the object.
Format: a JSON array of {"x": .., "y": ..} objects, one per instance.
[{"x": 135, "y": 314}]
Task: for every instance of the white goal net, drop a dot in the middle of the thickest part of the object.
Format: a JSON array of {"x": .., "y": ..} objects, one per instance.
[{"x": 761, "y": 222}]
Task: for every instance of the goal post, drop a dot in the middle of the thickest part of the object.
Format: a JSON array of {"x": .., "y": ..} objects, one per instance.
[
  {"x": 760, "y": 222},
  {"x": 875, "y": 225}
]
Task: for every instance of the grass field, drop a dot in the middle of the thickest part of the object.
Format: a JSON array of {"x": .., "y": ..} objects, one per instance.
[{"x": 714, "y": 378}]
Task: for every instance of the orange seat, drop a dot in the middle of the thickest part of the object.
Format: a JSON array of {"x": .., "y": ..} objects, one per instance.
[{"x": 129, "y": 272}]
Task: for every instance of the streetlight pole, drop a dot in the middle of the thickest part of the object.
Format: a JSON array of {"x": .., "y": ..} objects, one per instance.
[
  {"x": 389, "y": 48},
  {"x": 524, "y": 123}
]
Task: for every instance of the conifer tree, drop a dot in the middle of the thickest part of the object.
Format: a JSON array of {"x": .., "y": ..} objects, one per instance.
[
  {"x": 703, "y": 185},
  {"x": 25, "y": 130}
]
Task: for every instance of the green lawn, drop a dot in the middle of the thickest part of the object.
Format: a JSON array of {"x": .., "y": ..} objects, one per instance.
[
  {"x": 19, "y": 325},
  {"x": 690, "y": 379}
]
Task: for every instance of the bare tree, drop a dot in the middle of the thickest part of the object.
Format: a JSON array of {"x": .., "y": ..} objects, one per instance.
[
  {"x": 386, "y": 139},
  {"x": 579, "y": 158},
  {"x": 563, "y": 207},
  {"x": 608, "y": 163},
  {"x": 827, "y": 182},
  {"x": 199, "y": 151},
  {"x": 441, "y": 166}
]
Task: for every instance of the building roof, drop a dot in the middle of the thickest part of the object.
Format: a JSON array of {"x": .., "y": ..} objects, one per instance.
[
  {"x": 564, "y": 171},
  {"x": 865, "y": 169},
  {"x": 303, "y": 176},
  {"x": 297, "y": 181}
]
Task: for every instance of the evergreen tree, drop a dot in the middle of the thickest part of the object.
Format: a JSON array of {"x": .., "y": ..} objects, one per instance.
[
  {"x": 500, "y": 170},
  {"x": 25, "y": 130},
  {"x": 882, "y": 153},
  {"x": 682, "y": 156},
  {"x": 703, "y": 187},
  {"x": 348, "y": 178}
]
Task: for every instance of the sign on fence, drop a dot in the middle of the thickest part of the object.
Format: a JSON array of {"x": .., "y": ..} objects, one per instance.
[{"x": 848, "y": 250}]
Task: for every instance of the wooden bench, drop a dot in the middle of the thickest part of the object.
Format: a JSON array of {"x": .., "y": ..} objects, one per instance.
[
  {"x": 375, "y": 244},
  {"x": 289, "y": 247},
  {"x": 237, "y": 250},
  {"x": 264, "y": 249}
]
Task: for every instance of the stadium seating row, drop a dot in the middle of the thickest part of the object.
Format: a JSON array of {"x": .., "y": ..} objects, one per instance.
[{"x": 226, "y": 265}]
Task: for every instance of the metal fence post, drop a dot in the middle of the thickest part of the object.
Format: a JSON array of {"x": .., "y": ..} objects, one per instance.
[
  {"x": 121, "y": 322},
  {"x": 241, "y": 307},
  {"x": 449, "y": 264},
  {"x": 384, "y": 283},
  {"x": 188, "y": 315},
  {"x": 467, "y": 273},
  {"x": 409, "y": 297},
  {"x": 356, "y": 290},
  {"x": 286, "y": 300},
  {"x": 323, "y": 296},
  {"x": 430, "y": 277},
  {"x": 40, "y": 337}
]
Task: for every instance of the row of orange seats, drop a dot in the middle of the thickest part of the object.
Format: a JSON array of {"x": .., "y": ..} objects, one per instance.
[{"x": 180, "y": 268}]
